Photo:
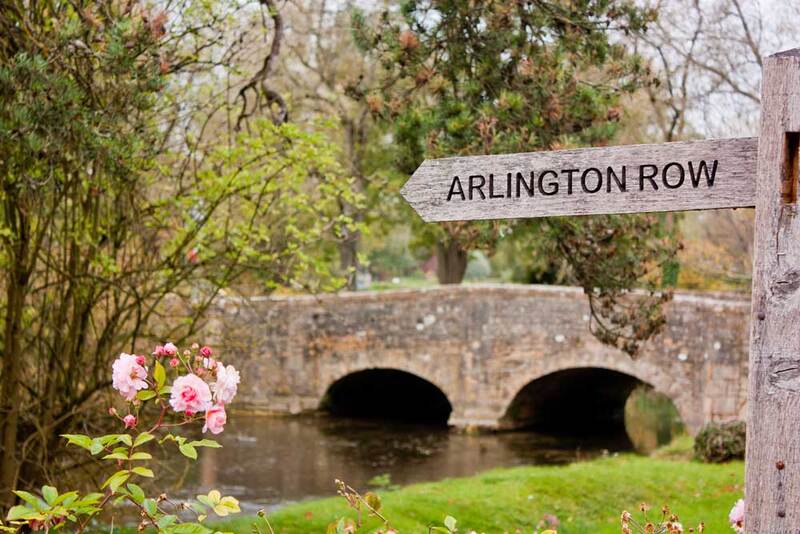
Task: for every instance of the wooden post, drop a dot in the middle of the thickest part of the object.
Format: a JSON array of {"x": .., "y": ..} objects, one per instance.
[
  {"x": 438, "y": 192},
  {"x": 772, "y": 481}
]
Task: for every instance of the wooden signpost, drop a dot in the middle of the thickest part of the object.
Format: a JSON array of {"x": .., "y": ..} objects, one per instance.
[
  {"x": 727, "y": 173},
  {"x": 679, "y": 176}
]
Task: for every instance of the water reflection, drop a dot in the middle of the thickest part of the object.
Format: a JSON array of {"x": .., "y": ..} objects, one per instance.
[
  {"x": 651, "y": 419},
  {"x": 269, "y": 461}
]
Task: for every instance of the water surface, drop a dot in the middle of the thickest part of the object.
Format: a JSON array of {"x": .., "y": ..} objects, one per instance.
[{"x": 268, "y": 461}]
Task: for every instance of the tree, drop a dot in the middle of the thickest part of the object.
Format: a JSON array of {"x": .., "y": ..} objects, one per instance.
[
  {"x": 321, "y": 71},
  {"x": 129, "y": 199},
  {"x": 494, "y": 76},
  {"x": 707, "y": 56}
]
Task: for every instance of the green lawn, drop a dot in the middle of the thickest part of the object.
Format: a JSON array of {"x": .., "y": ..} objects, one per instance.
[{"x": 586, "y": 497}]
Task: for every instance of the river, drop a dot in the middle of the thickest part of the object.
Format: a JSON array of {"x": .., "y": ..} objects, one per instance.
[{"x": 267, "y": 462}]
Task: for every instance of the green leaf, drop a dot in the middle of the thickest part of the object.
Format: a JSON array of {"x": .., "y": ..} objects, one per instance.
[
  {"x": 108, "y": 439},
  {"x": 206, "y": 443},
  {"x": 137, "y": 494},
  {"x": 89, "y": 499},
  {"x": 116, "y": 456},
  {"x": 78, "y": 439},
  {"x": 141, "y": 456},
  {"x": 188, "y": 450},
  {"x": 145, "y": 394},
  {"x": 125, "y": 438},
  {"x": 150, "y": 507},
  {"x": 450, "y": 523},
  {"x": 166, "y": 521},
  {"x": 143, "y": 471},
  {"x": 159, "y": 374},
  {"x": 189, "y": 528},
  {"x": 66, "y": 498},
  {"x": 143, "y": 438},
  {"x": 20, "y": 512},
  {"x": 116, "y": 480},
  {"x": 31, "y": 499},
  {"x": 50, "y": 494},
  {"x": 227, "y": 505},
  {"x": 96, "y": 447}
]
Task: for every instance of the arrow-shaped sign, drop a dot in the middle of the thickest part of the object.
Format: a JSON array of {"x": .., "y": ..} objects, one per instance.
[{"x": 687, "y": 175}]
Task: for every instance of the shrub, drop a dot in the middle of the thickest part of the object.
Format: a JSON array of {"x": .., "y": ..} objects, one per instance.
[
  {"x": 720, "y": 442},
  {"x": 154, "y": 412}
]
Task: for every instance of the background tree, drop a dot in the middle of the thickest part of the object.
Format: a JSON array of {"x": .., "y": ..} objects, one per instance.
[
  {"x": 707, "y": 56},
  {"x": 492, "y": 76},
  {"x": 321, "y": 71},
  {"x": 130, "y": 200}
]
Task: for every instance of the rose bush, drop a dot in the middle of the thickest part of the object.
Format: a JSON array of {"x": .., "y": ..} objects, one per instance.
[{"x": 200, "y": 388}]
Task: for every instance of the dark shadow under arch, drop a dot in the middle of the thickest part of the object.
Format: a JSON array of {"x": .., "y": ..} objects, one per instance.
[
  {"x": 387, "y": 394},
  {"x": 580, "y": 402}
]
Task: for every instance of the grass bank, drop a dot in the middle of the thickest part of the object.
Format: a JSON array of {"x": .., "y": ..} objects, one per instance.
[{"x": 586, "y": 497}]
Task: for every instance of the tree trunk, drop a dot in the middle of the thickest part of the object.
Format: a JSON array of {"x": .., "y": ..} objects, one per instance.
[
  {"x": 451, "y": 262},
  {"x": 9, "y": 405},
  {"x": 17, "y": 278},
  {"x": 348, "y": 259}
]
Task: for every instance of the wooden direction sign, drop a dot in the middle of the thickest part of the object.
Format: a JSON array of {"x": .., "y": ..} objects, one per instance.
[
  {"x": 689, "y": 175},
  {"x": 763, "y": 173}
]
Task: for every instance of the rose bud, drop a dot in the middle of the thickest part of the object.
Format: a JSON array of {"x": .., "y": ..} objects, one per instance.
[{"x": 129, "y": 420}]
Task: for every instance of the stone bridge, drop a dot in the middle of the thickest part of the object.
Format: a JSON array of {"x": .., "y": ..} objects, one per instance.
[{"x": 484, "y": 355}]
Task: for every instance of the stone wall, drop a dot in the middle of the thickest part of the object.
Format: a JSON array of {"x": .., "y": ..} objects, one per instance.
[{"x": 480, "y": 344}]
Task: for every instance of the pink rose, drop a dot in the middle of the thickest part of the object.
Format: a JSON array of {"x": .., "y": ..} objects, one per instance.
[
  {"x": 205, "y": 352},
  {"x": 128, "y": 375},
  {"x": 190, "y": 394},
  {"x": 226, "y": 384},
  {"x": 215, "y": 419},
  {"x": 736, "y": 517},
  {"x": 129, "y": 420},
  {"x": 174, "y": 362}
]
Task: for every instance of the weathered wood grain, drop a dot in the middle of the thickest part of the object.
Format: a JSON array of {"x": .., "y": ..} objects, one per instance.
[
  {"x": 733, "y": 186},
  {"x": 773, "y": 425}
]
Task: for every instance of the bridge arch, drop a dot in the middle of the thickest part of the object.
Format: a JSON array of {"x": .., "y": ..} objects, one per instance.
[
  {"x": 594, "y": 392},
  {"x": 479, "y": 344},
  {"x": 387, "y": 393}
]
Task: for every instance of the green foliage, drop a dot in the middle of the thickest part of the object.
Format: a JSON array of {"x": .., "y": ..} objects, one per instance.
[
  {"x": 449, "y": 526},
  {"x": 720, "y": 442},
  {"x": 121, "y": 453},
  {"x": 610, "y": 255},
  {"x": 493, "y": 77},
  {"x": 52, "y": 509},
  {"x": 128, "y": 199}
]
